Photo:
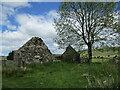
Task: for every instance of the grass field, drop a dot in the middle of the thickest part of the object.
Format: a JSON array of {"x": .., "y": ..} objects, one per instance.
[
  {"x": 63, "y": 75},
  {"x": 60, "y": 75},
  {"x": 104, "y": 51}
]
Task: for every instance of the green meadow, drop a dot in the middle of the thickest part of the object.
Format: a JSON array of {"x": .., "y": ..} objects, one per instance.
[{"x": 99, "y": 74}]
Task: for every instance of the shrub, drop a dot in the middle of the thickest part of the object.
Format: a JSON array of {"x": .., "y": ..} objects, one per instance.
[{"x": 10, "y": 56}]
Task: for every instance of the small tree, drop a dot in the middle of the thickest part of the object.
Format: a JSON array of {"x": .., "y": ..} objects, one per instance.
[
  {"x": 10, "y": 56},
  {"x": 83, "y": 23}
]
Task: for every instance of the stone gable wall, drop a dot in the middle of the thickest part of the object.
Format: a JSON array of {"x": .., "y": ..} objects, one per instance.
[
  {"x": 33, "y": 51},
  {"x": 70, "y": 55}
]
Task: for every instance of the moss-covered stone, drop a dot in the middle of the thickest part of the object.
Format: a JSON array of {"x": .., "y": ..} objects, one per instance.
[{"x": 70, "y": 55}]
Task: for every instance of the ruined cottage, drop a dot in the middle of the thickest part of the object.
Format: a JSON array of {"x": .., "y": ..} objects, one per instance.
[
  {"x": 70, "y": 55},
  {"x": 34, "y": 50}
]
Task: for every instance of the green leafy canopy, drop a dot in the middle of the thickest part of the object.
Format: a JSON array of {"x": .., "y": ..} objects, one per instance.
[{"x": 81, "y": 23}]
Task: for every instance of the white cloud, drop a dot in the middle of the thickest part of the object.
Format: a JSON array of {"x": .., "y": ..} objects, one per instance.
[
  {"x": 52, "y": 13},
  {"x": 8, "y": 9},
  {"x": 33, "y": 25},
  {"x": 54, "y": 48},
  {"x": 30, "y": 26},
  {"x": 8, "y": 38}
]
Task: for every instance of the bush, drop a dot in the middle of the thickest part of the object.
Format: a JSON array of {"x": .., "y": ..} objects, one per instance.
[{"x": 10, "y": 56}]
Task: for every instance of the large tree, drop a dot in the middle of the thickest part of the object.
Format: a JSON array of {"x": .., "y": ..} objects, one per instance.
[{"x": 84, "y": 23}]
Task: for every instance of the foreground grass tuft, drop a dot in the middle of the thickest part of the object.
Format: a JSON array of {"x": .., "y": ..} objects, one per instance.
[{"x": 104, "y": 82}]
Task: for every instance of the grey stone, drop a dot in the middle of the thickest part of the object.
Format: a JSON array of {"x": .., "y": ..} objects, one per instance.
[
  {"x": 70, "y": 55},
  {"x": 34, "y": 50}
]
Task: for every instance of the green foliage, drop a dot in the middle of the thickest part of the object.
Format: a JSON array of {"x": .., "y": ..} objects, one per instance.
[
  {"x": 108, "y": 82},
  {"x": 56, "y": 75},
  {"x": 87, "y": 23},
  {"x": 15, "y": 72},
  {"x": 106, "y": 79},
  {"x": 8, "y": 64},
  {"x": 102, "y": 51},
  {"x": 63, "y": 74},
  {"x": 80, "y": 23},
  {"x": 10, "y": 56}
]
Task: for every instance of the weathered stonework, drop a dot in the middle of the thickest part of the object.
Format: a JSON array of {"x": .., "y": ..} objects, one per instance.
[
  {"x": 70, "y": 55},
  {"x": 33, "y": 51}
]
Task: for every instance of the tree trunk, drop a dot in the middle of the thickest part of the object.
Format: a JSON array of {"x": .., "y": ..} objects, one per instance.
[{"x": 89, "y": 52}]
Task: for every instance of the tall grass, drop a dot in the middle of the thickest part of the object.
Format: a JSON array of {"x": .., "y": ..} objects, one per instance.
[
  {"x": 108, "y": 81},
  {"x": 106, "y": 77},
  {"x": 61, "y": 75},
  {"x": 17, "y": 72}
]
